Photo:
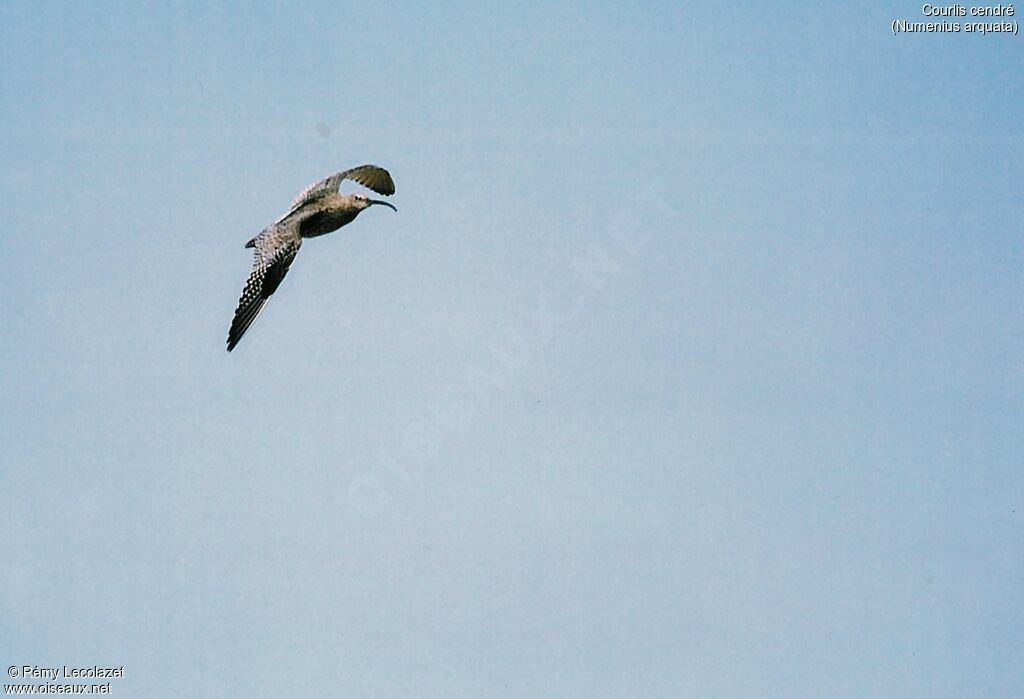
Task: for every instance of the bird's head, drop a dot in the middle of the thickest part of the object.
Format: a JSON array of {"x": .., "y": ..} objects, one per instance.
[{"x": 363, "y": 202}]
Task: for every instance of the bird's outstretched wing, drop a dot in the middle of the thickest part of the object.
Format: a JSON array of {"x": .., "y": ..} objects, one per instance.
[
  {"x": 275, "y": 248},
  {"x": 376, "y": 178}
]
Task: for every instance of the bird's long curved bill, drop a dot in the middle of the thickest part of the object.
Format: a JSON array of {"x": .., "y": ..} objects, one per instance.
[{"x": 383, "y": 203}]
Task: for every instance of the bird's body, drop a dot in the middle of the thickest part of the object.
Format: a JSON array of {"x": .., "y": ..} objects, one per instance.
[
  {"x": 327, "y": 214},
  {"x": 318, "y": 210}
]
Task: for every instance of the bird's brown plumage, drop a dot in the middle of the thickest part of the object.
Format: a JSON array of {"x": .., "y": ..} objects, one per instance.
[{"x": 317, "y": 210}]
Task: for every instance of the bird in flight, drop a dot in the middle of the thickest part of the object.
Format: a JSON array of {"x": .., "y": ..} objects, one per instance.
[{"x": 319, "y": 209}]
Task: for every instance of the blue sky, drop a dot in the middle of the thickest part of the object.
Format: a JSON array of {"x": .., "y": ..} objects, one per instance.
[{"x": 689, "y": 366}]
